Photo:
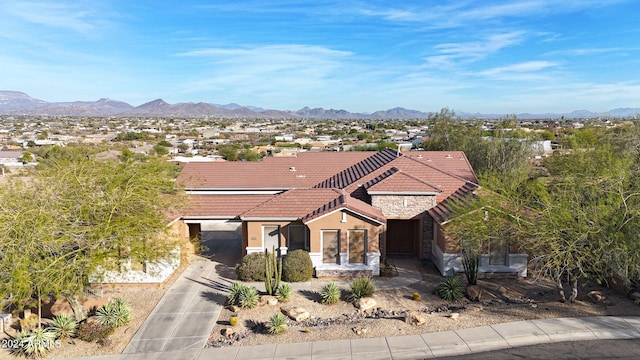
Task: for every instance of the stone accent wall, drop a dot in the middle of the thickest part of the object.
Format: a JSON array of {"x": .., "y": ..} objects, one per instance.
[
  {"x": 403, "y": 206},
  {"x": 427, "y": 236}
]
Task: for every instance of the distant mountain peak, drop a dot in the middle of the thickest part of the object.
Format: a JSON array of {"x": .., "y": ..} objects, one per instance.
[
  {"x": 154, "y": 103},
  {"x": 16, "y": 102}
]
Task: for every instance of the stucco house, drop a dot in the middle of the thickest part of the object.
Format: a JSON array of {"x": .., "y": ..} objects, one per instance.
[{"x": 348, "y": 209}]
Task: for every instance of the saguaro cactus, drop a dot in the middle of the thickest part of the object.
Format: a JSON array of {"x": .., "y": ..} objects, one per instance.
[{"x": 272, "y": 271}]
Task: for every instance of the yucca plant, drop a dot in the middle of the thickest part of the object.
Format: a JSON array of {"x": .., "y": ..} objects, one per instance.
[
  {"x": 35, "y": 344},
  {"x": 114, "y": 314},
  {"x": 234, "y": 293},
  {"x": 63, "y": 326},
  {"x": 248, "y": 297},
  {"x": 450, "y": 289},
  {"x": 362, "y": 287},
  {"x": 283, "y": 293},
  {"x": 330, "y": 293},
  {"x": 277, "y": 324}
]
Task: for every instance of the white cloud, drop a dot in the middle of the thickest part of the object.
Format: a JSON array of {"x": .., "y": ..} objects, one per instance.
[
  {"x": 460, "y": 13},
  {"x": 54, "y": 15},
  {"x": 453, "y": 54},
  {"x": 529, "y": 70}
]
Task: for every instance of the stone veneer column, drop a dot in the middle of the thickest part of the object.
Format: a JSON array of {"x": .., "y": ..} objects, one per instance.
[{"x": 427, "y": 236}]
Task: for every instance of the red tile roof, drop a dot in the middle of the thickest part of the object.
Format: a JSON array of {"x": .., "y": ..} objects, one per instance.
[
  {"x": 309, "y": 204},
  {"x": 401, "y": 182},
  {"x": 304, "y": 170},
  {"x": 222, "y": 206},
  {"x": 319, "y": 182}
]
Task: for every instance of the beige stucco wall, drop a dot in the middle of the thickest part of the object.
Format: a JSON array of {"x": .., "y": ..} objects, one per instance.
[
  {"x": 334, "y": 222},
  {"x": 179, "y": 231},
  {"x": 403, "y": 206},
  {"x": 254, "y": 232}
]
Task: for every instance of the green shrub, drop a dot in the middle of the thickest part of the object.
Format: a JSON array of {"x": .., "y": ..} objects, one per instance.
[
  {"x": 92, "y": 331},
  {"x": 63, "y": 326},
  {"x": 234, "y": 293},
  {"x": 297, "y": 266},
  {"x": 277, "y": 324},
  {"x": 114, "y": 314},
  {"x": 34, "y": 344},
  {"x": 251, "y": 267},
  {"x": 330, "y": 293},
  {"x": 362, "y": 287},
  {"x": 248, "y": 297},
  {"x": 283, "y": 293},
  {"x": 450, "y": 289}
]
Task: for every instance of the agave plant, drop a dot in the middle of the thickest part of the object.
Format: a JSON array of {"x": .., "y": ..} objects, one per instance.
[
  {"x": 63, "y": 326},
  {"x": 330, "y": 293},
  {"x": 283, "y": 293},
  {"x": 234, "y": 293},
  {"x": 277, "y": 324},
  {"x": 114, "y": 314},
  {"x": 248, "y": 297},
  {"x": 362, "y": 287},
  {"x": 450, "y": 289},
  {"x": 34, "y": 344}
]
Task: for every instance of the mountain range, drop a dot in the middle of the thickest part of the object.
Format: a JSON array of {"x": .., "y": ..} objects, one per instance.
[{"x": 19, "y": 103}]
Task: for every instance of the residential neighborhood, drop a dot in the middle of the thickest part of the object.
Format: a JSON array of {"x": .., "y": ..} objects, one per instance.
[{"x": 412, "y": 206}]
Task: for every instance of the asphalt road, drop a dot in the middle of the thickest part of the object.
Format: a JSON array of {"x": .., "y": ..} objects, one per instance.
[{"x": 583, "y": 350}]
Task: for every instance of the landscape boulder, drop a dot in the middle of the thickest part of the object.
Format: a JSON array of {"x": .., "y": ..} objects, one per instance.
[
  {"x": 415, "y": 318},
  {"x": 365, "y": 303},
  {"x": 295, "y": 313},
  {"x": 268, "y": 300},
  {"x": 228, "y": 333},
  {"x": 597, "y": 297},
  {"x": 474, "y": 292}
]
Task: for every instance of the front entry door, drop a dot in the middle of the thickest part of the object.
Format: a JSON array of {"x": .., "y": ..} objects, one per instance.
[{"x": 271, "y": 236}]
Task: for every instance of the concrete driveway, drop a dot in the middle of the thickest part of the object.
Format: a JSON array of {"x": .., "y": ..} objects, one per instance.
[{"x": 185, "y": 315}]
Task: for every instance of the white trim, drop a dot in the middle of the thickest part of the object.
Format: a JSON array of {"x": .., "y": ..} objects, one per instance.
[
  {"x": 345, "y": 209},
  {"x": 254, "y": 249},
  {"x": 422, "y": 193},
  {"x": 232, "y": 191},
  {"x": 197, "y": 219},
  {"x": 174, "y": 221},
  {"x": 269, "y": 219}
]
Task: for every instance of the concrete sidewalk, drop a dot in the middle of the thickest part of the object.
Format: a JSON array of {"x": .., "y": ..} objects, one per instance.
[{"x": 425, "y": 346}]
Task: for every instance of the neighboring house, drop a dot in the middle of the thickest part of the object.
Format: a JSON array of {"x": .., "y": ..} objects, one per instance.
[
  {"x": 11, "y": 158},
  {"x": 348, "y": 209}
]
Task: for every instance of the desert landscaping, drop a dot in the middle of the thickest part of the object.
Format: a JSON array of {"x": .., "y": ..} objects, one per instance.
[{"x": 394, "y": 311}]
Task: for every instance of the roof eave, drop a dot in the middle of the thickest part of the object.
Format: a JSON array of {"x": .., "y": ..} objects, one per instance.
[
  {"x": 433, "y": 193},
  {"x": 266, "y": 218},
  {"x": 368, "y": 217}
]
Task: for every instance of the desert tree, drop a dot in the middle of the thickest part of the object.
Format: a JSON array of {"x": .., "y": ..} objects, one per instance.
[{"x": 75, "y": 216}]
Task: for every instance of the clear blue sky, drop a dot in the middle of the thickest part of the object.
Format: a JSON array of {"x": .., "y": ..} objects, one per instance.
[{"x": 477, "y": 56}]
